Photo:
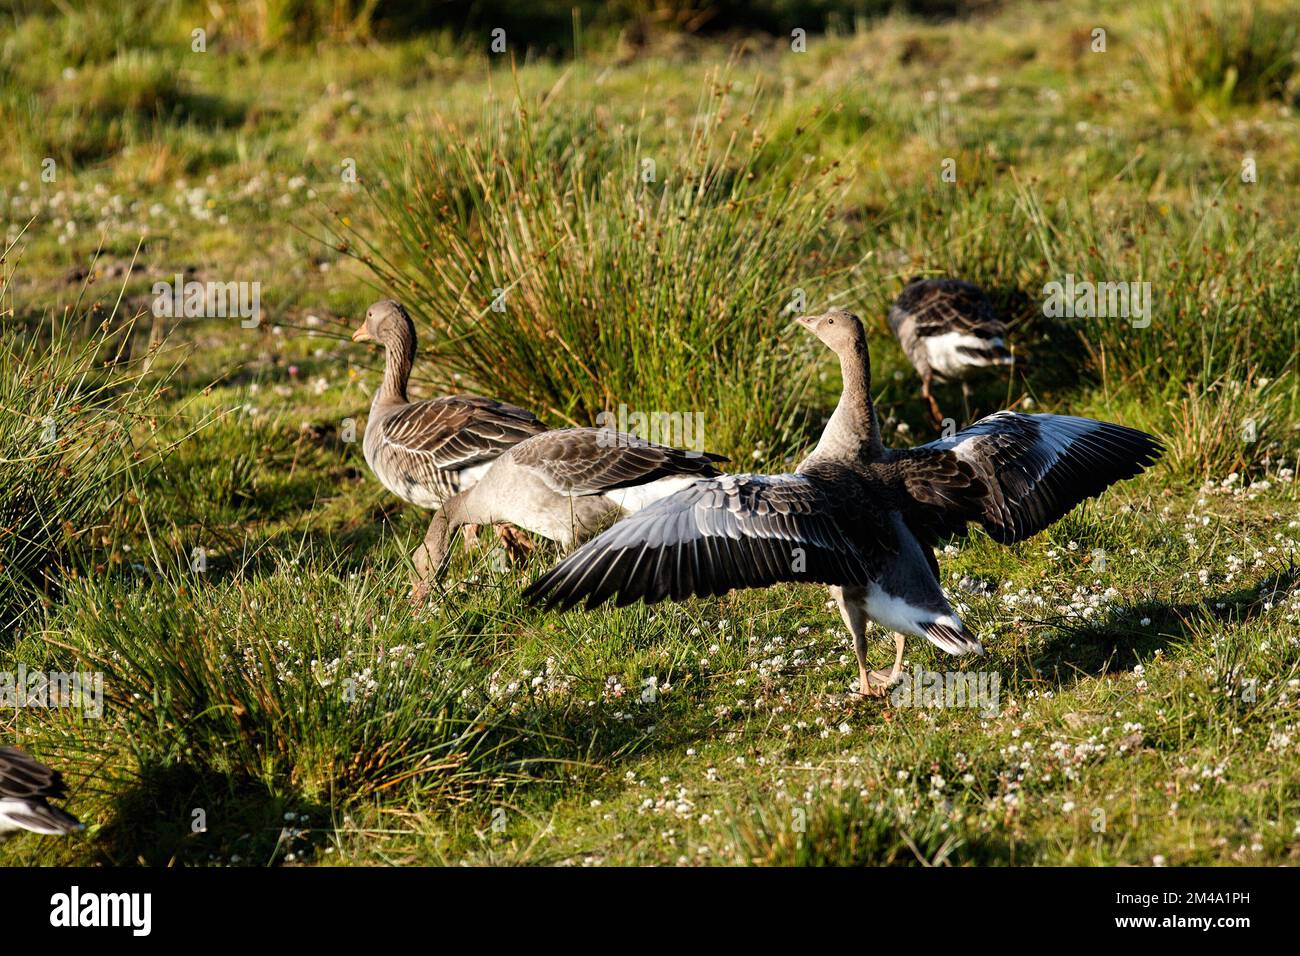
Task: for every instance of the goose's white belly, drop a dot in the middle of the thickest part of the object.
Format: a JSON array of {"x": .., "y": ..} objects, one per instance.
[
  {"x": 946, "y": 357},
  {"x": 633, "y": 499},
  {"x": 893, "y": 612},
  {"x": 419, "y": 496},
  {"x": 897, "y": 614},
  {"x": 433, "y": 496},
  {"x": 469, "y": 477},
  {"x": 12, "y": 809}
]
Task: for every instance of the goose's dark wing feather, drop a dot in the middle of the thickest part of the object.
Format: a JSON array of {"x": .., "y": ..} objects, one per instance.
[
  {"x": 941, "y": 493},
  {"x": 1016, "y": 474},
  {"x": 458, "y": 431},
  {"x": 735, "y": 531},
  {"x": 25, "y": 785},
  {"x": 23, "y": 777},
  {"x": 942, "y": 306},
  {"x": 584, "y": 461}
]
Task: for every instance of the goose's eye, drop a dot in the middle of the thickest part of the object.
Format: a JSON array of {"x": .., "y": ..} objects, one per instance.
[{"x": 830, "y": 321}]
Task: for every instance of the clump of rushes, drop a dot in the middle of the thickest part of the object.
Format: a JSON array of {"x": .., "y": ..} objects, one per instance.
[
  {"x": 1221, "y": 52},
  {"x": 574, "y": 268},
  {"x": 1232, "y": 426},
  {"x": 306, "y": 682},
  {"x": 74, "y": 432}
]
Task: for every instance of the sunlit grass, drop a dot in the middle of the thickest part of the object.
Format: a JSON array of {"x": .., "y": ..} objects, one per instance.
[{"x": 1145, "y": 644}]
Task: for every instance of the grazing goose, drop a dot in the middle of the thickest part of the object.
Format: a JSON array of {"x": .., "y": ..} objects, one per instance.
[
  {"x": 426, "y": 451},
  {"x": 949, "y": 331},
  {"x": 26, "y": 786},
  {"x": 564, "y": 485},
  {"x": 855, "y": 515}
]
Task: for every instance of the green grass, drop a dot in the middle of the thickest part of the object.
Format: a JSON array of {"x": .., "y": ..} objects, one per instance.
[
  {"x": 71, "y": 450},
  {"x": 1145, "y": 645},
  {"x": 1231, "y": 52}
]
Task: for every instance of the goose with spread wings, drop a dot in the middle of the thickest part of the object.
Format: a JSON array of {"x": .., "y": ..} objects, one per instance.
[
  {"x": 26, "y": 788},
  {"x": 426, "y": 451},
  {"x": 565, "y": 485},
  {"x": 856, "y": 516}
]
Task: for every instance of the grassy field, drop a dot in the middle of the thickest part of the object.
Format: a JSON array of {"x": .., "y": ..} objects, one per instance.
[{"x": 184, "y": 509}]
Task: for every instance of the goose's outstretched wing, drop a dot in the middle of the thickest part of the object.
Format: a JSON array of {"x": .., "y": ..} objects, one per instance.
[
  {"x": 586, "y": 461},
  {"x": 735, "y": 531},
  {"x": 1016, "y": 474}
]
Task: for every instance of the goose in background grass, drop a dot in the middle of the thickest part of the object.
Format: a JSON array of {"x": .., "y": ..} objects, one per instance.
[
  {"x": 564, "y": 485},
  {"x": 950, "y": 332},
  {"x": 854, "y": 515},
  {"x": 26, "y": 787},
  {"x": 424, "y": 452}
]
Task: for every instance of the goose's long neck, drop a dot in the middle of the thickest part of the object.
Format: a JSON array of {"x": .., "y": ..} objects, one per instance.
[
  {"x": 852, "y": 434},
  {"x": 399, "y": 349}
]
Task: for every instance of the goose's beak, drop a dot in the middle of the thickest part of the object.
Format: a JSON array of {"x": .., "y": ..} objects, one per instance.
[
  {"x": 361, "y": 335},
  {"x": 807, "y": 321}
]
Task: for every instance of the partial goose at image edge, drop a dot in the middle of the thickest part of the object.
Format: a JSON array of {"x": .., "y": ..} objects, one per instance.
[{"x": 26, "y": 788}]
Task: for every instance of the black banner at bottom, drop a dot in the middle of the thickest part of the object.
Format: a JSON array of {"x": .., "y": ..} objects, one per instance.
[{"x": 337, "y": 905}]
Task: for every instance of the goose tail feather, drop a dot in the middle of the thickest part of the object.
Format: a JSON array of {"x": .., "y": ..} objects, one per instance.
[{"x": 954, "y": 637}]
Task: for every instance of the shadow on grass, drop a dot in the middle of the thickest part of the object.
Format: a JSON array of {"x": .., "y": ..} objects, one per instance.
[
  {"x": 1120, "y": 641},
  {"x": 180, "y": 815}
]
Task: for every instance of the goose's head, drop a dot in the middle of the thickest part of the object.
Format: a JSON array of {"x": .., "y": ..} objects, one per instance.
[
  {"x": 840, "y": 330},
  {"x": 386, "y": 322}
]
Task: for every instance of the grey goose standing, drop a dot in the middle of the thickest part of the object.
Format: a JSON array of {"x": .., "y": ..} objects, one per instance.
[
  {"x": 564, "y": 485},
  {"x": 950, "y": 332},
  {"x": 426, "y": 451},
  {"x": 26, "y": 787},
  {"x": 855, "y": 515}
]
